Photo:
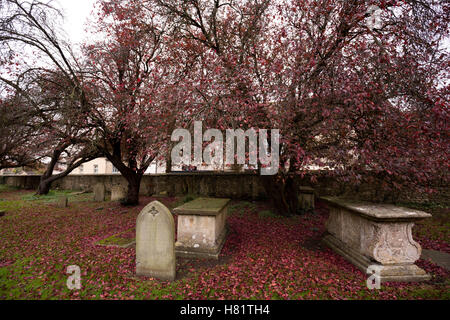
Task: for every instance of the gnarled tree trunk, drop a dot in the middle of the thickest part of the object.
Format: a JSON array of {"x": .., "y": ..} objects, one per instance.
[
  {"x": 44, "y": 186},
  {"x": 46, "y": 179},
  {"x": 282, "y": 190},
  {"x": 134, "y": 185}
]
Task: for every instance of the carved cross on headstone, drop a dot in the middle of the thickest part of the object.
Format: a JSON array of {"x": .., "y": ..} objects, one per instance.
[{"x": 154, "y": 212}]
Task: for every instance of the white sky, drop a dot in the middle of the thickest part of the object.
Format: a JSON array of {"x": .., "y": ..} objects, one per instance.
[{"x": 76, "y": 13}]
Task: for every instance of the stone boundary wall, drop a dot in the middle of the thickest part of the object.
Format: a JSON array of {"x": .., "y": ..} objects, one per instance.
[
  {"x": 224, "y": 185},
  {"x": 220, "y": 185}
]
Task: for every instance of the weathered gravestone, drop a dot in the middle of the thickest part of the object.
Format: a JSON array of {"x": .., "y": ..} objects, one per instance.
[
  {"x": 118, "y": 193},
  {"x": 155, "y": 242},
  {"x": 306, "y": 198},
  {"x": 99, "y": 192},
  {"x": 63, "y": 202}
]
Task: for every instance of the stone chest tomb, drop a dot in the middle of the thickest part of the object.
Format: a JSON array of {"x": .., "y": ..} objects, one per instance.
[
  {"x": 376, "y": 235},
  {"x": 201, "y": 228}
]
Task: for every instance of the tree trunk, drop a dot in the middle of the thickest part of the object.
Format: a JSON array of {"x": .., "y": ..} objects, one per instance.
[
  {"x": 44, "y": 186},
  {"x": 282, "y": 190},
  {"x": 170, "y": 128},
  {"x": 46, "y": 179},
  {"x": 169, "y": 159},
  {"x": 168, "y": 164},
  {"x": 134, "y": 185}
]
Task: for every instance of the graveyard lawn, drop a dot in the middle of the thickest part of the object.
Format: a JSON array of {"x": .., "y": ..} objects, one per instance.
[{"x": 264, "y": 257}]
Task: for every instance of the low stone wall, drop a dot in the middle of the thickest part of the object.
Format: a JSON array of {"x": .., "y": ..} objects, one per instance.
[
  {"x": 227, "y": 185},
  {"x": 220, "y": 185},
  {"x": 22, "y": 182}
]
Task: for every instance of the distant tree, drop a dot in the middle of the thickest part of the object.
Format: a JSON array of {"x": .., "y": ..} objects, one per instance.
[
  {"x": 41, "y": 70},
  {"x": 19, "y": 135},
  {"x": 68, "y": 134}
]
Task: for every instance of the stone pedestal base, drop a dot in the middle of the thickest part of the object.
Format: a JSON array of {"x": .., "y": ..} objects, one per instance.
[{"x": 388, "y": 273}]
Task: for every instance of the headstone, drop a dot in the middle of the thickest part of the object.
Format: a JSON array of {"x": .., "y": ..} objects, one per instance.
[
  {"x": 63, "y": 202},
  {"x": 155, "y": 242},
  {"x": 118, "y": 193},
  {"x": 306, "y": 198},
  {"x": 99, "y": 192}
]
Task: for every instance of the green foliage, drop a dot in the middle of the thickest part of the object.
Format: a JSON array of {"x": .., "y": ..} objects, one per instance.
[
  {"x": 426, "y": 206},
  {"x": 52, "y": 196},
  {"x": 114, "y": 240},
  {"x": 180, "y": 201},
  {"x": 241, "y": 207},
  {"x": 11, "y": 205},
  {"x": 6, "y": 188}
]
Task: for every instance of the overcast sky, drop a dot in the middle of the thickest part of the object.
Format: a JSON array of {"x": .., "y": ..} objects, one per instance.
[{"x": 76, "y": 13}]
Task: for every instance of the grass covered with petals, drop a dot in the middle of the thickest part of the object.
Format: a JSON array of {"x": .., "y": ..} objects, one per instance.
[{"x": 265, "y": 256}]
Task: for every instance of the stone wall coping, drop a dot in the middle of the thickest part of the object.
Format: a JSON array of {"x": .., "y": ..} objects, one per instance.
[
  {"x": 377, "y": 211},
  {"x": 202, "y": 207},
  {"x": 175, "y": 173}
]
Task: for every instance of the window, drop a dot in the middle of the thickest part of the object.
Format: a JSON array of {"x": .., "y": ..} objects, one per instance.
[
  {"x": 114, "y": 170},
  {"x": 81, "y": 169},
  {"x": 95, "y": 168}
]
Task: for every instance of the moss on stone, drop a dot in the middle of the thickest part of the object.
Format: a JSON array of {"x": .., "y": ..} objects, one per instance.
[{"x": 117, "y": 240}]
